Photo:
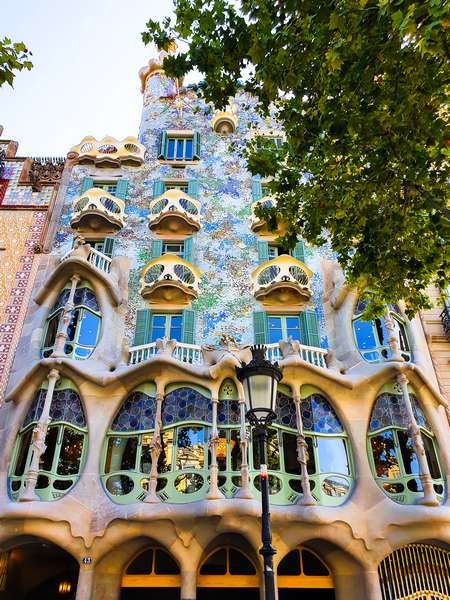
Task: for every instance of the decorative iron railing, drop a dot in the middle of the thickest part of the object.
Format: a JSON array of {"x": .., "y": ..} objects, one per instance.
[{"x": 445, "y": 318}]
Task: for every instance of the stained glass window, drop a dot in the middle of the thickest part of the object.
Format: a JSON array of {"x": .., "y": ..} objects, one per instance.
[
  {"x": 66, "y": 406},
  {"x": 228, "y": 412},
  {"x": 390, "y": 410},
  {"x": 186, "y": 404},
  {"x": 136, "y": 414},
  {"x": 319, "y": 416}
]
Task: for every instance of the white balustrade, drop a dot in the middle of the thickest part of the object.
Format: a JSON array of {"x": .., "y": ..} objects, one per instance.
[
  {"x": 189, "y": 353},
  {"x": 140, "y": 353},
  {"x": 99, "y": 260}
]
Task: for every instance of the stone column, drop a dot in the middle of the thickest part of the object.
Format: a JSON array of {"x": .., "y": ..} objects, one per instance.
[
  {"x": 393, "y": 341},
  {"x": 214, "y": 492},
  {"x": 38, "y": 441},
  {"x": 188, "y": 585},
  {"x": 155, "y": 451},
  {"x": 429, "y": 495},
  {"x": 307, "y": 498},
  {"x": 64, "y": 322},
  {"x": 245, "y": 491},
  {"x": 85, "y": 582}
]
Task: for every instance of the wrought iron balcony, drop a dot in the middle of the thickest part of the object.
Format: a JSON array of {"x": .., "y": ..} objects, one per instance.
[
  {"x": 169, "y": 279},
  {"x": 259, "y": 226},
  {"x": 445, "y": 318},
  {"x": 174, "y": 212},
  {"x": 108, "y": 151},
  {"x": 282, "y": 281},
  {"x": 97, "y": 210}
]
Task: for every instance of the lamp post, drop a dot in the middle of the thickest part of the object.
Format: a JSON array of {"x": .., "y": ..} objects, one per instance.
[{"x": 260, "y": 379}]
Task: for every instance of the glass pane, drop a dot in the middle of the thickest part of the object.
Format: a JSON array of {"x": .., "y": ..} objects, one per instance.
[
  {"x": 364, "y": 333},
  {"x": 403, "y": 340},
  {"x": 235, "y": 446},
  {"x": 46, "y": 460},
  {"x": 273, "y": 451},
  {"x": 221, "y": 450},
  {"x": 171, "y": 149},
  {"x": 164, "y": 564},
  {"x": 70, "y": 452},
  {"x": 165, "y": 458},
  {"x": 88, "y": 332},
  {"x": 180, "y": 148},
  {"x": 239, "y": 564},
  {"x": 123, "y": 456},
  {"x": 24, "y": 444},
  {"x": 293, "y": 327},
  {"x": 188, "y": 483},
  {"x": 72, "y": 327},
  {"x": 332, "y": 455},
  {"x": 142, "y": 564},
  {"x": 82, "y": 352},
  {"x": 188, "y": 154},
  {"x": 158, "y": 333},
  {"x": 432, "y": 460},
  {"x": 119, "y": 485},
  {"x": 175, "y": 328},
  {"x": 146, "y": 459},
  {"x": 159, "y": 320},
  {"x": 385, "y": 455},
  {"x": 275, "y": 331},
  {"x": 291, "y": 464},
  {"x": 215, "y": 564},
  {"x": 312, "y": 565},
  {"x": 335, "y": 486},
  {"x": 52, "y": 330},
  {"x": 410, "y": 462},
  {"x": 273, "y": 251},
  {"x": 275, "y": 484},
  {"x": 290, "y": 564},
  {"x": 190, "y": 448}
]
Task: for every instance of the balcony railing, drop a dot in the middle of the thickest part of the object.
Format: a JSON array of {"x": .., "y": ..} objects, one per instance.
[
  {"x": 191, "y": 353},
  {"x": 108, "y": 151},
  {"x": 96, "y": 258},
  {"x": 445, "y": 318},
  {"x": 174, "y": 212},
  {"x": 97, "y": 210},
  {"x": 169, "y": 279},
  {"x": 283, "y": 280}
]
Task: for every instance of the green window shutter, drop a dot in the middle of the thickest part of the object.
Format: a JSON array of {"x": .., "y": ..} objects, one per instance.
[
  {"x": 309, "y": 328},
  {"x": 86, "y": 185},
  {"x": 193, "y": 188},
  {"x": 108, "y": 246},
  {"x": 260, "y": 326},
  {"x": 157, "y": 246},
  {"x": 162, "y": 152},
  {"x": 143, "y": 331},
  {"x": 263, "y": 251},
  {"x": 299, "y": 251},
  {"x": 121, "y": 189},
  {"x": 188, "y": 248},
  {"x": 196, "y": 146},
  {"x": 256, "y": 188},
  {"x": 188, "y": 327},
  {"x": 159, "y": 187}
]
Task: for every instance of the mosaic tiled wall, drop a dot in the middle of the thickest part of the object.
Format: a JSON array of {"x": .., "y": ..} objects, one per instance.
[
  {"x": 22, "y": 195},
  {"x": 225, "y": 250}
]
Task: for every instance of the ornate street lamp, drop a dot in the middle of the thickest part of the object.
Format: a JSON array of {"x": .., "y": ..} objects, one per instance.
[{"x": 260, "y": 380}]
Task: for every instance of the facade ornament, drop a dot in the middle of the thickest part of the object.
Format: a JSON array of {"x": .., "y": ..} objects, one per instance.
[
  {"x": 155, "y": 451},
  {"x": 429, "y": 494},
  {"x": 333, "y": 362},
  {"x": 38, "y": 441},
  {"x": 165, "y": 347},
  {"x": 66, "y": 317},
  {"x": 290, "y": 347},
  {"x": 227, "y": 354},
  {"x": 307, "y": 498},
  {"x": 393, "y": 342},
  {"x": 244, "y": 491},
  {"x": 214, "y": 492},
  {"x": 45, "y": 171}
]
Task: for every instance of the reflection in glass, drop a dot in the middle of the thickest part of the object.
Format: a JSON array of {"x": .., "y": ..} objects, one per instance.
[
  {"x": 70, "y": 452},
  {"x": 46, "y": 461},
  {"x": 23, "y": 452},
  {"x": 385, "y": 455},
  {"x": 273, "y": 452},
  {"x": 432, "y": 460},
  {"x": 165, "y": 457},
  {"x": 188, "y": 483},
  {"x": 332, "y": 455},
  {"x": 275, "y": 484},
  {"x": 190, "y": 448},
  {"x": 119, "y": 485},
  {"x": 335, "y": 486},
  {"x": 410, "y": 462},
  {"x": 146, "y": 458}
]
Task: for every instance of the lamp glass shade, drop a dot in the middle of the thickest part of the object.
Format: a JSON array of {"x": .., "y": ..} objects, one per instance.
[{"x": 260, "y": 392}]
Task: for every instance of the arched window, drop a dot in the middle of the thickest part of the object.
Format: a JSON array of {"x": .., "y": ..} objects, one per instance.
[
  {"x": 329, "y": 462},
  {"x": 151, "y": 568},
  {"x": 228, "y": 450},
  {"x": 303, "y": 569},
  {"x": 393, "y": 460},
  {"x": 372, "y": 336},
  {"x": 66, "y": 444},
  {"x": 127, "y": 458},
  {"x": 225, "y": 569},
  {"x": 419, "y": 571},
  {"x": 84, "y": 328}
]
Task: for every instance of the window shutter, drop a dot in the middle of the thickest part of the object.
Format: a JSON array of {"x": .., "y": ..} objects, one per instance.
[
  {"x": 309, "y": 329},
  {"x": 188, "y": 327},
  {"x": 196, "y": 146},
  {"x": 108, "y": 246},
  {"x": 299, "y": 251},
  {"x": 143, "y": 331},
  {"x": 159, "y": 187},
  {"x": 260, "y": 326},
  {"x": 121, "y": 189},
  {"x": 256, "y": 188},
  {"x": 188, "y": 248},
  {"x": 157, "y": 247},
  {"x": 263, "y": 251},
  {"x": 162, "y": 152},
  {"x": 193, "y": 188},
  {"x": 86, "y": 184}
]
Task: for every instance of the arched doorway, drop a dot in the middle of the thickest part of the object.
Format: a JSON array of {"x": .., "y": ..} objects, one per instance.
[
  {"x": 34, "y": 568},
  {"x": 416, "y": 572},
  {"x": 227, "y": 571},
  {"x": 302, "y": 569},
  {"x": 151, "y": 575}
]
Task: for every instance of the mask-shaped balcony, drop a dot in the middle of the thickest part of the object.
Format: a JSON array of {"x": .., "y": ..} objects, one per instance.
[
  {"x": 282, "y": 281},
  {"x": 97, "y": 210},
  {"x": 174, "y": 212},
  {"x": 108, "y": 152},
  {"x": 169, "y": 279},
  {"x": 258, "y": 225},
  {"x": 224, "y": 122}
]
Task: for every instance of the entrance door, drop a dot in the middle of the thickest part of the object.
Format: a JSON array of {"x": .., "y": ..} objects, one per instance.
[
  {"x": 227, "y": 574},
  {"x": 151, "y": 575},
  {"x": 302, "y": 574}
]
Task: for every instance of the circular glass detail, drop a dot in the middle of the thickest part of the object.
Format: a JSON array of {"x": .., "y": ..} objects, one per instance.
[
  {"x": 119, "y": 485},
  {"x": 42, "y": 482},
  {"x": 296, "y": 485},
  {"x": 438, "y": 488},
  {"x": 161, "y": 483},
  {"x": 107, "y": 149},
  {"x": 15, "y": 485},
  {"x": 268, "y": 275},
  {"x": 188, "y": 483},
  {"x": 131, "y": 148},
  {"x": 394, "y": 488},
  {"x": 275, "y": 484},
  {"x": 62, "y": 484},
  {"x": 335, "y": 486}
]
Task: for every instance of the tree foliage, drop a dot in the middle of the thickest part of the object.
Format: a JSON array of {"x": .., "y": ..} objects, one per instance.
[
  {"x": 359, "y": 87},
  {"x": 14, "y": 56}
]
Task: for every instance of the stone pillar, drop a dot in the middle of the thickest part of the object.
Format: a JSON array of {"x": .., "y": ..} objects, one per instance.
[
  {"x": 64, "y": 322},
  {"x": 307, "y": 498},
  {"x": 188, "y": 585},
  {"x": 155, "y": 451},
  {"x": 392, "y": 338},
  {"x": 85, "y": 582},
  {"x": 373, "y": 588},
  {"x": 214, "y": 492},
  {"x": 245, "y": 491},
  {"x": 38, "y": 441},
  {"x": 429, "y": 495}
]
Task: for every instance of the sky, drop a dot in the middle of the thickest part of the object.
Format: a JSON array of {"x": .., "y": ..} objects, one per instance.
[{"x": 86, "y": 57}]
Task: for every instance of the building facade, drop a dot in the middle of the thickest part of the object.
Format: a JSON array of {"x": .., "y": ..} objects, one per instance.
[{"x": 128, "y": 468}]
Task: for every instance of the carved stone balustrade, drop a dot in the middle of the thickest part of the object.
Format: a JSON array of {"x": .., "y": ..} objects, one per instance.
[
  {"x": 174, "y": 212},
  {"x": 108, "y": 152},
  {"x": 97, "y": 210},
  {"x": 169, "y": 279},
  {"x": 282, "y": 281}
]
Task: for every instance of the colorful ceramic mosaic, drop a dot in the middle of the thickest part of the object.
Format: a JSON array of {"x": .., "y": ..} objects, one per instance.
[
  {"x": 22, "y": 195},
  {"x": 186, "y": 404},
  {"x": 390, "y": 410},
  {"x": 66, "y": 406},
  {"x": 136, "y": 414}
]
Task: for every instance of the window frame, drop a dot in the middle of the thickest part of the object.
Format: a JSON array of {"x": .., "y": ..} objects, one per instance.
[
  {"x": 167, "y": 325},
  {"x": 284, "y": 327}
]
